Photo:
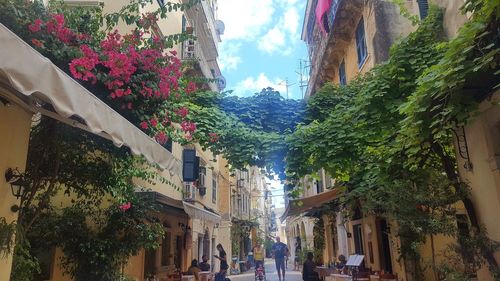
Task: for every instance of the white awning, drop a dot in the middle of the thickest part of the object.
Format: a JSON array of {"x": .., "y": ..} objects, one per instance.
[
  {"x": 199, "y": 213},
  {"x": 299, "y": 206},
  {"x": 33, "y": 77}
]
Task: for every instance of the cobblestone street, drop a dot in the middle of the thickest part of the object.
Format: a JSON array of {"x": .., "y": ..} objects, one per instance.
[{"x": 271, "y": 273}]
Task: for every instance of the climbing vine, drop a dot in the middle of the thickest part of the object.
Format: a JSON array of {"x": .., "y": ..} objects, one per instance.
[
  {"x": 387, "y": 135},
  {"x": 250, "y": 130}
]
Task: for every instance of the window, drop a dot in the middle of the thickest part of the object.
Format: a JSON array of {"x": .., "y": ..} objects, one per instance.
[
  {"x": 361, "y": 43},
  {"x": 214, "y": 188},
  {"x": 423, "y": 7},
  {"x": 358, "y": 239},
  {"x": 189, "y": 191},
  {"x": 342, "y": 74},
  {"x": 168, "y": 145},
  {"x": 165, "y": 249},
  {"x": 319, "y": 187}
]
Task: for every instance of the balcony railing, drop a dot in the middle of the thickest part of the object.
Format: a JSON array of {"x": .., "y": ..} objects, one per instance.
[
  {"x": 317, "y": 42},
  {"x": 191, "y": 50}
]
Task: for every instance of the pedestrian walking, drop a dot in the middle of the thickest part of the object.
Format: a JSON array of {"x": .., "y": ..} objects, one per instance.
[
  {"x": 280, "y": 251},
  {"x": 221, "y": 275},
  {"x": 258, "y": 254}
]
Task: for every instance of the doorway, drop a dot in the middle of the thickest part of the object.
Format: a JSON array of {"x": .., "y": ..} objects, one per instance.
[
  {"x": 384, "y": 243},
  {"x": 357, "y": 230}
]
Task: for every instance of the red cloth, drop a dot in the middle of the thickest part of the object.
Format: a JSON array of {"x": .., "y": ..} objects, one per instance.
[{"x": 321, "y": 8}]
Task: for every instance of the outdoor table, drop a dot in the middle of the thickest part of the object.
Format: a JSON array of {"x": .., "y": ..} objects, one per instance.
[
  {"x": 341, "y": 277},
  {"x": 324, "y": 271},
  {"x": 205, "y": 275}
]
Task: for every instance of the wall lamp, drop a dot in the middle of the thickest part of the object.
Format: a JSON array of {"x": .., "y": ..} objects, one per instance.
[{"x": 17, "y": 182}]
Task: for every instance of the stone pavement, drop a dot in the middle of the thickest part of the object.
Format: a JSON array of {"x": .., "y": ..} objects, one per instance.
[{"x": 271, "y": 273}]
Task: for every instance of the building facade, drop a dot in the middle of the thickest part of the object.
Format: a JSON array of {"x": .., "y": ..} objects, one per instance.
[{"x": 345, "y": 41}]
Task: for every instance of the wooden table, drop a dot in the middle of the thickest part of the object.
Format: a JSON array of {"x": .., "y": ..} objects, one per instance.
[
  {"x": 341, "y": 277},
  {"x": 324, "y": 271},
  {"x": 205, "y": 276}
]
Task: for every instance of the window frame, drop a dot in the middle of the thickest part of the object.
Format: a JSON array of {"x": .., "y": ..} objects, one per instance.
[
  {"x": 361, "y": 47},
  {"x": 214, "y": 188},
  {"x": 342, "y": 74}
]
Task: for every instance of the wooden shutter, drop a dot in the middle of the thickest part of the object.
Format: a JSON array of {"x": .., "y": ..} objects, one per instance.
[{"x": 190, "y": 165}]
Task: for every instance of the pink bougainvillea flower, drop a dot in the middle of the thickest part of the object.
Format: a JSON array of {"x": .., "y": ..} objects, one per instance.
[
  {"x": 81, "y": 68},
  {"x": 173, "y": 52},
  {"x": 120, "y": 65},
  {"x": 214, "y": 137},
  {"x": 153, "y": 122},
  {"x": 191, "y": 87},
  {"x": 182, "y": 112},
  {"x": 161, "y": 138},
  {"x": 121, "y": 93},
  {"x": 124, "y": 207},
  {"x": 112, "y": 42},
  {"x": 36, "y": 26},
  {"x": 144, "y": 125},
  {"x": 37, "y": 43},
  {"x": 188, "y": 126},
  {"x": 59, "y": 18},
  {"x": 188, "y": 137}
]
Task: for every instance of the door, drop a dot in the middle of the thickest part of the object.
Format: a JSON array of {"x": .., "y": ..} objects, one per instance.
[
  {"x": 358, "y": 239},
  {"x": 166, "y": 247},
  {"x": 178, "y": 252},
  {"x": 385, "y": 253}
]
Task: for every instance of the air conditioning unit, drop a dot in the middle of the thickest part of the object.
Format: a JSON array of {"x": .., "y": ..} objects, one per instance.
[{"x": 189, "y": 191}]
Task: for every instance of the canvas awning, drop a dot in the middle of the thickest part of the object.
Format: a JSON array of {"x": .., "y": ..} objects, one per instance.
[
  {"x": 168, "y": 205},
  {"x": 298, "y": 206},
  {"x": 198, "y": 213},
  {"x": 30, "y": 79}
]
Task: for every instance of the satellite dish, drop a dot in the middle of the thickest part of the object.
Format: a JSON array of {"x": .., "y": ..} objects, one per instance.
[
  {"x": 221, "y": 83},
  {"x": 220, "y": 27}
]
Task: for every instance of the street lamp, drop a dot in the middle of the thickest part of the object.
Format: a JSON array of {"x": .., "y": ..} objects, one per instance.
[{"x": 16, "y": 181}]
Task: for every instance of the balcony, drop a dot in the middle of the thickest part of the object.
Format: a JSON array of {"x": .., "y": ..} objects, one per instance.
[
  {"x": 325, "y": 50},
  {"x": 191, "y": 50}
]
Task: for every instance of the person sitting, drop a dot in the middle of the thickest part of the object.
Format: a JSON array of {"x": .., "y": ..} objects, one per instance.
[
  {"x": 194, "y": 269},
  {"x": 308, "y": 272},
  {"x": 204, "y": 266},
  {"x": 341, "y": 264}
]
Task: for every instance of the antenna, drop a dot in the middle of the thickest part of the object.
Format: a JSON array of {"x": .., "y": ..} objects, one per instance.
[
  {"x": 303, "y": 79},
  {"x": 287, "y": 85}
]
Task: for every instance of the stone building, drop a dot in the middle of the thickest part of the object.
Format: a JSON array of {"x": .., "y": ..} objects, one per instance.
[{"x": 345, "y": 40}]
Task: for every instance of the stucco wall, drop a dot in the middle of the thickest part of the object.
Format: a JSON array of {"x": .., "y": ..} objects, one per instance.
[
  {"x": 483, "y": 142},
  {"x": 15, "y": 124}
]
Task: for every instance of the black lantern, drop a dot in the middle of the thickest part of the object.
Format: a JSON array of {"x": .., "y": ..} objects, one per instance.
[
  {"x": 16, "y": 181},
  {"x": 202, "y": 190}
]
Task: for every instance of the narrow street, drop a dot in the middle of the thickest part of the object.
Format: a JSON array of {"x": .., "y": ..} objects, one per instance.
[{"x": 271, "y": 273}]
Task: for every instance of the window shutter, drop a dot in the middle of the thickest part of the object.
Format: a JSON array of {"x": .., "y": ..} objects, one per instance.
[
  {"x": 190, "y": 165},
  {"x": 423, "y": 7}
]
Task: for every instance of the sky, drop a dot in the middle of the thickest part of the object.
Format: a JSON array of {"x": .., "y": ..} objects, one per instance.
[{"x": 261, "y": 45}]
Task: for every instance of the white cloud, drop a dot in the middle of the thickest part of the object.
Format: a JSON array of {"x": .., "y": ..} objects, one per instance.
[
  {"x": 272, "y": 41},
  {"x": 245, "y": 19},
  {"x": 251, "y": 85},
  {"x": 229, "y": 58},
  {"x": 291, "y": 21},
  {"x": 283, "y": 36}
]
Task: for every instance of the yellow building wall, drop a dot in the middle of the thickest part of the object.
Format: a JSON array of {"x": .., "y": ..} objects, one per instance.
[
  {"x": 15, "y": 124},
  {"x": 483, "y": 142}
]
